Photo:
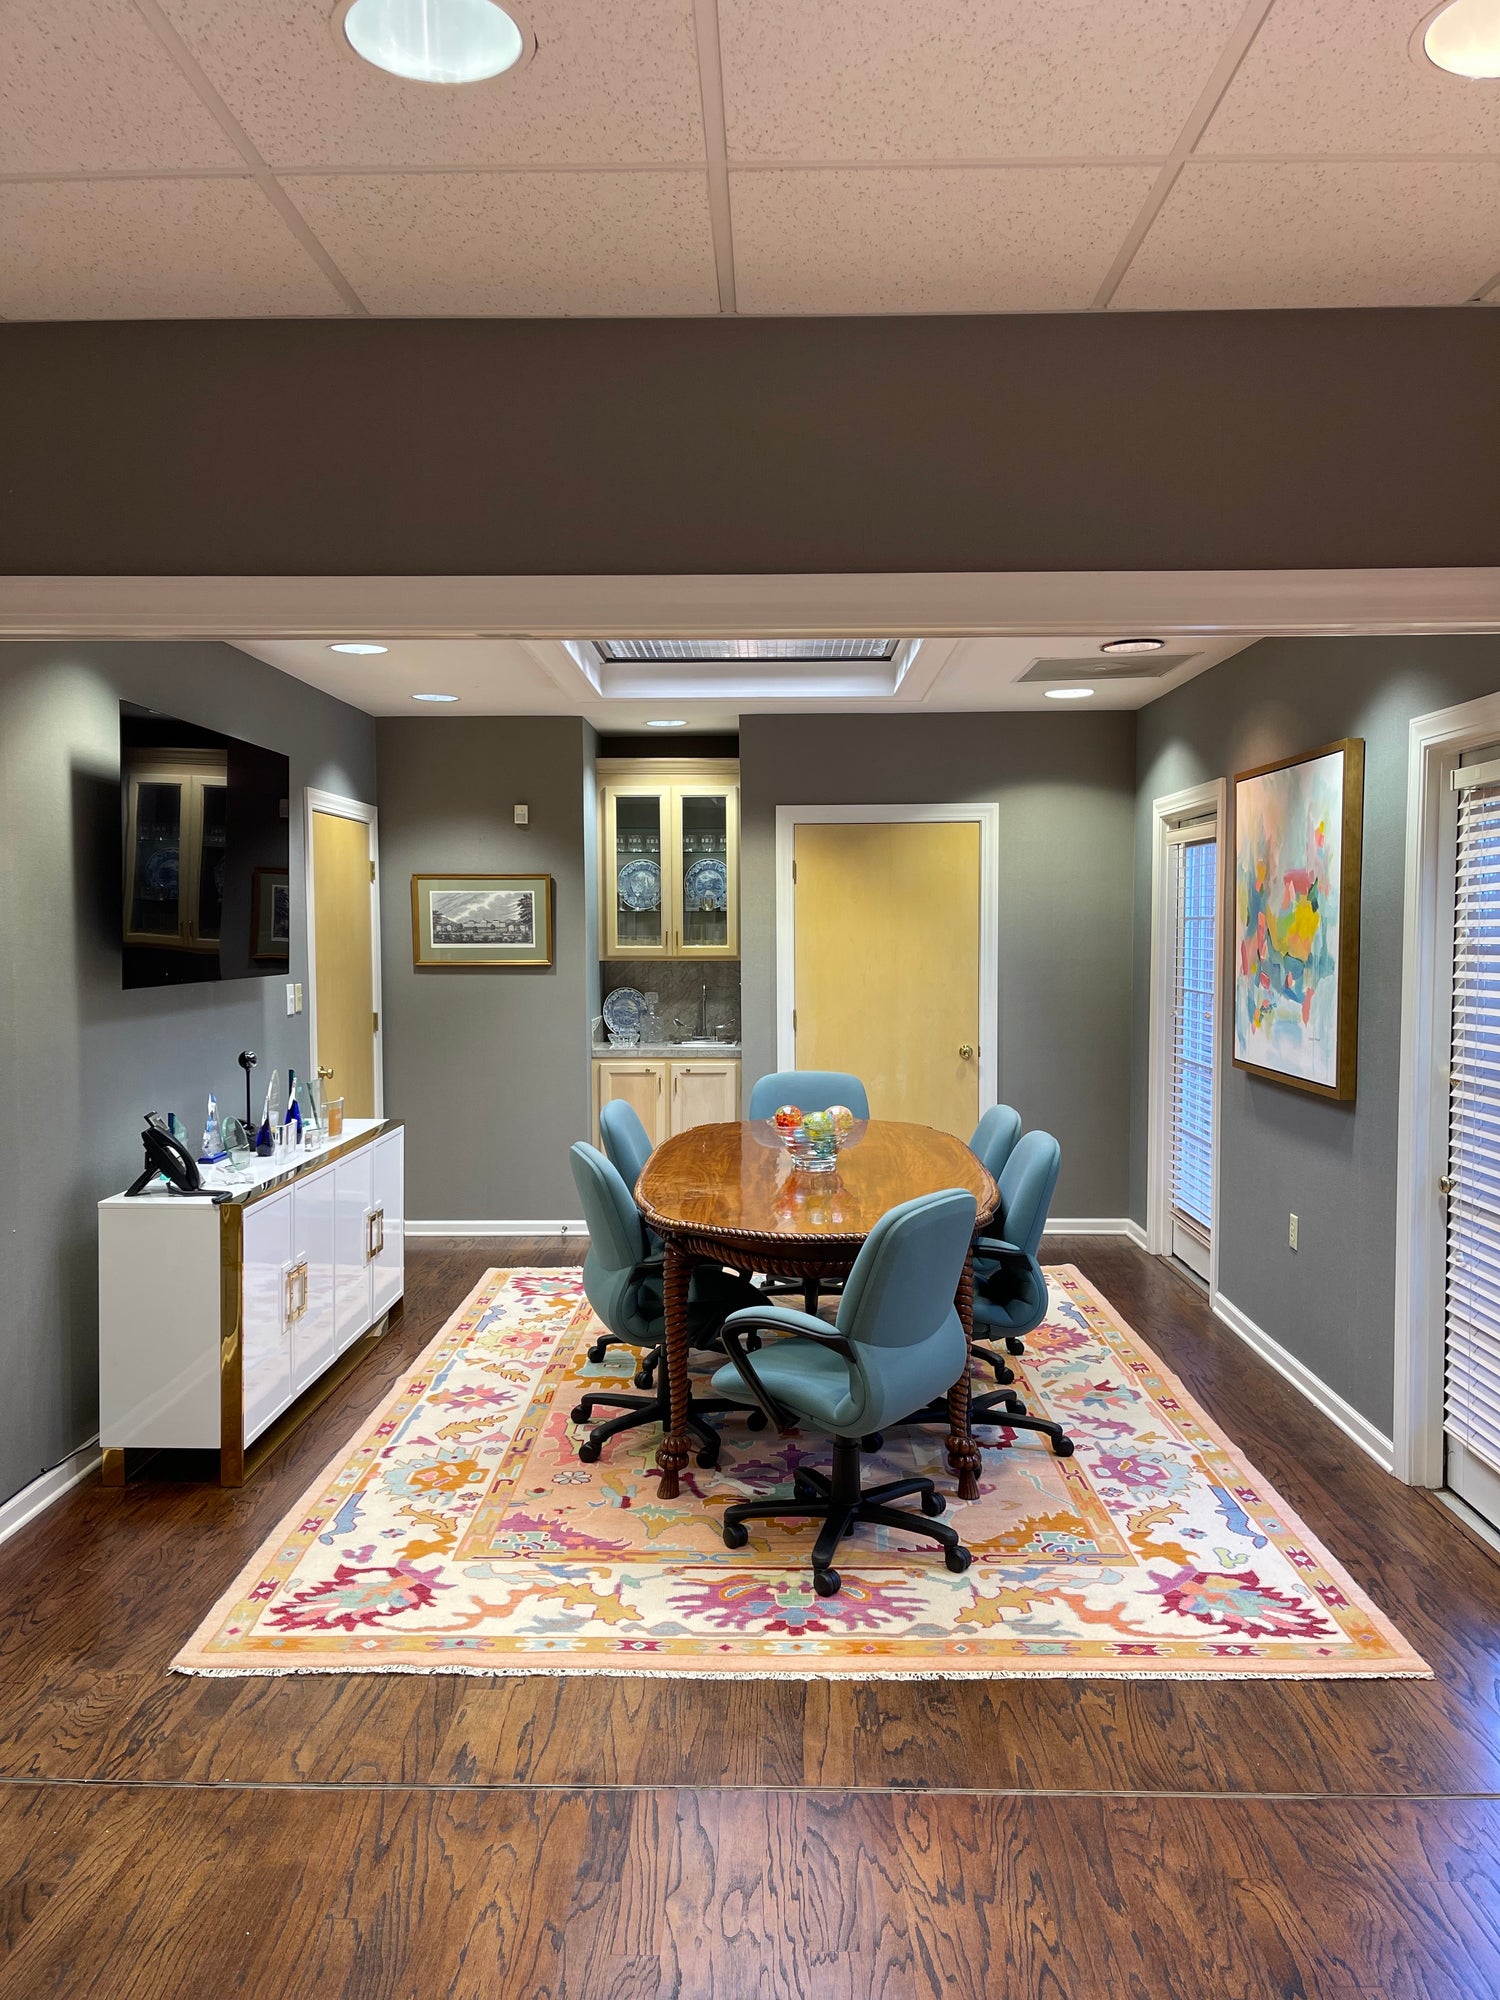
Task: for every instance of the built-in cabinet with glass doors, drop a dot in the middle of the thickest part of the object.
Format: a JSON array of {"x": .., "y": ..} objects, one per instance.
[{"x": 669, "y": 859}]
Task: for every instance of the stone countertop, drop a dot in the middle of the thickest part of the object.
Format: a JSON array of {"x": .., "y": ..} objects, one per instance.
[{"x": 668, "y": 1051}]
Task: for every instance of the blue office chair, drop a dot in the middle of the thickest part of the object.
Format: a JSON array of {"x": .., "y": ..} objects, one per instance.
[
  {"x": 897, "y": 1344},
  {"x": 624, "y": 1285},
  {"x": 809, "y": 1089},
  {"x": 1010, "y": 1289},
  {"x": 995, "y": 1137},
  {"x": 627, "y": 1147}
]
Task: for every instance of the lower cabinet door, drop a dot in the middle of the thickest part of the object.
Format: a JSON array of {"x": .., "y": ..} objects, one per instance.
[
  {"x": 353, "y": 1199},
  {"x": 267, "y": 1286},
  {"x": 387, "y": 1223},
  {"x": 704, "y": 1094},
  {"x": 313, "y": 1277},
  {"x": 643, "y": 1085}
]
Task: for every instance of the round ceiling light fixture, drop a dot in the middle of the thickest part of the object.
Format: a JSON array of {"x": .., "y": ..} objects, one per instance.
[
  {"x": 1068, "y": 694},
  {"x": 434, "y": 697},
  {"x": 359, "y": 646},
  {"x": 434, "y": 41},
  {"x": 668, "y": 722},
  {"x": 1462, "y": 37},
  {"x": 1132, "y": 645}
]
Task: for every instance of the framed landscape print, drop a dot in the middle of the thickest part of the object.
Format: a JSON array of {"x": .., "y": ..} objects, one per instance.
[
  {"x": 270, "y": 914},
  {"x": 1297, "y": 829},
  {"x": 459, "y": 920}
]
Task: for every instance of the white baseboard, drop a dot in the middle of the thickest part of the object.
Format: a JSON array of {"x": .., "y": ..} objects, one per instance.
[
  {"x": 1096, "y": 1225},
  {"x": 462, "y": 1226},
  {"x": 1316, "y": 1390},
  {"x": 46, "y": 1487}
]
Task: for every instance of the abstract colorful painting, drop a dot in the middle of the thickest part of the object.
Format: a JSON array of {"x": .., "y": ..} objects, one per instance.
[{"x": 1296, "y": 883}]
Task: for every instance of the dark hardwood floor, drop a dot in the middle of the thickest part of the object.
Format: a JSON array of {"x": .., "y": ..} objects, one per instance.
[{"x": 634, "y": 1840}]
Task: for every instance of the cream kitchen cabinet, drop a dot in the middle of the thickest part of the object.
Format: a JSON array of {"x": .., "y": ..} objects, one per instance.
[
  {"x": 216, "y": 1316},
  {"x": 669, "y": 1096},
  {"x": 669, "y": 859}
]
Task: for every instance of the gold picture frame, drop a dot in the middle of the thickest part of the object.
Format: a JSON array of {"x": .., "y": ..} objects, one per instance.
[
  {"x": 1298, "y": 834},
  {"x": 481, "y": 921}
]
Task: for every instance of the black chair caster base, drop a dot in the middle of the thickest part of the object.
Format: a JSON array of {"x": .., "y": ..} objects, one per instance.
[{"x": 827, "y": 1582}]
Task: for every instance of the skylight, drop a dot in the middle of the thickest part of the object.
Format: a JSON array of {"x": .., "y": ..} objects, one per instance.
[{"x": 660, "y": 652}]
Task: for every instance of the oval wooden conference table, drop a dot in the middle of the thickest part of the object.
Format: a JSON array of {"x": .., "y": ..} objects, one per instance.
[{"x": 728, "y": 1194}]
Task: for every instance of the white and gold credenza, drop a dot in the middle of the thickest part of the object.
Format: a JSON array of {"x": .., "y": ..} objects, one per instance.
[{"x": 216, "y": 1318}]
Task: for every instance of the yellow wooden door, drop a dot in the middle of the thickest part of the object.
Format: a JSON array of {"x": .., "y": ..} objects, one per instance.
[
  {"x": 343, "y": 961},
  {"x": 887, "y": 963}
]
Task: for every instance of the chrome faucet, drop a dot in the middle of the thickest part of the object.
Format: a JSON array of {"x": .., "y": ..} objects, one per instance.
[{"x": 703, "y": 1012}]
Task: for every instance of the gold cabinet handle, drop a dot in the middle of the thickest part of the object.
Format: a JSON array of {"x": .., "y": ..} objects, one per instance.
[
  {"x": 966, "y": 1051},
  {"x": 374, "y": 1233}
]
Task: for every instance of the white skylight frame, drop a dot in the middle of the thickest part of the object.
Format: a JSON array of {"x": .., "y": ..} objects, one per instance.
[{"x": 787, "y": 680}]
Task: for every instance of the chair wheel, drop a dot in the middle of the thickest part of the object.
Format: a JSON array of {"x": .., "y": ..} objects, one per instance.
[
  {"x": 957, "y": 1560},
  {"x": 1014, "y": 1344},
  {"x": 588, "y": 1451},
  {"x": 872, "y": 1442},
  {"x": 1063, "y": 1448},
  {"x": 644, "y": 1377},
  {"x": 1003, "y": 1375},
  {"x": 756, "y": 1421},
  {"x": 827, "y": 1582},
  {"x": 735, "y": 1535},
  {"x": 803, "y": 1490},
  {"x": 599, "y": 1349},
  {"x": 708, "y": 1458},
  {"x": 578, "y": 1414},
  {"x": 933, "y": 1504}
]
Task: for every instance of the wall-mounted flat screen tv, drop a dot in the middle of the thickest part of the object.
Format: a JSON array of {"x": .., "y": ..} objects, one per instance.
[{"x": 205, "y": 821}]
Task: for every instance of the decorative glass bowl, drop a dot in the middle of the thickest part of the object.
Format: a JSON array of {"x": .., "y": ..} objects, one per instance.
[{"x": 812, "y": 1139}]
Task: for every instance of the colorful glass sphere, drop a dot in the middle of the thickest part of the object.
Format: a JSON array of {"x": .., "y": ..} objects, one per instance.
[
  {"x": 843, "y": 1119},
  {"x": 788, "y": 1118},
  {"x": 819, "y": 1125}
]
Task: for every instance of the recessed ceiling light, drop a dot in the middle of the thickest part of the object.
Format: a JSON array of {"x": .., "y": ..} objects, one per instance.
[
  {"x": 668, "y": 722},
  {"x": 1464, "y": 38},
  {"x": 434, "y": 697},
  {"x": 360, "y": 646},
  {"x": 434, "y": 41},
  {"x": 1132, "y": 645},
  {"x": 1068, "y": 694}
]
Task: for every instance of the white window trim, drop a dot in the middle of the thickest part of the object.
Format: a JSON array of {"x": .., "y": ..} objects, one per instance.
[
  {"x": 1168, "y": 814},
  {"x": 342, "y": 808},
  {"x": 986, "y": 814},
  {"x": 1436, "y": 743}
]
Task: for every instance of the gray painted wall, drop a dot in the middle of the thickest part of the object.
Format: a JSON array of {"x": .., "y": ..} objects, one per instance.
[
  {"x": 81, "y": 1060},
  {"x": 489, "y": 1068},
  {"x": 1066, "y": 790},
  {"x": 1334, "y": 1165}
]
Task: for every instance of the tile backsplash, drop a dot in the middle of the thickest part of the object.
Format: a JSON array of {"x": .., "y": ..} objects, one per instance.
[{"x": 677, "y": 983}]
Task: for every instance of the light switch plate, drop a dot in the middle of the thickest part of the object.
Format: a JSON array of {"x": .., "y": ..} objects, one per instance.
[
  {"x": 523, "y": 815},
  {"x": 291, "y": 998},
  {"x": 299, "y": 996}
]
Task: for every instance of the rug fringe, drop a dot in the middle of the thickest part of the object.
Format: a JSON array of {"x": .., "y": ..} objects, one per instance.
[{"x": 857, "y": 1676}]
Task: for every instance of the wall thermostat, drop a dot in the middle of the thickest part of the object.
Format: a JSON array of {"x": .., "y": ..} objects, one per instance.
[{"x": 523, "y": 815}]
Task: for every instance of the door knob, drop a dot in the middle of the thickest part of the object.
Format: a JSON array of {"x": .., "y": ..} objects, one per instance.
[{"x": 966, "y": 1051}]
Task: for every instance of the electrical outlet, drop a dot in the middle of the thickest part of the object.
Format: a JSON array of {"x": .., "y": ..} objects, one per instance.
[
  {"x": 1291, "y": 1232},
  {"x": 291, "y": 998},
  {"x": 523, "y": 815}
]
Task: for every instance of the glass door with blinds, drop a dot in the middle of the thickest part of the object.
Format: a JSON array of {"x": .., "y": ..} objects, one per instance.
[
  {"x": 1471, "y": 1401},
  {"x": 1193, "y": 875}
]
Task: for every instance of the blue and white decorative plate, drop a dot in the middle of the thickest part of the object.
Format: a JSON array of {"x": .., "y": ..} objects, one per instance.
[
  {"x": 624, "y": 1011},
  {"x": 638, "y": 885},
  {"x": 706, "y": 884}
]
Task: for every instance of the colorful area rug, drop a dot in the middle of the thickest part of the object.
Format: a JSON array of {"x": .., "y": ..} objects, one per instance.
[{"x": 459, "y": 1533}]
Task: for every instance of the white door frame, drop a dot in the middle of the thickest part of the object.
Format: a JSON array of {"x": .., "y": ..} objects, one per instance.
[
  {"x": 1168, "y": 813},
  {"x": 342, "y": 808},
  {"x": 986, "y": 815},
  {"x": 1436, "y": 743}
]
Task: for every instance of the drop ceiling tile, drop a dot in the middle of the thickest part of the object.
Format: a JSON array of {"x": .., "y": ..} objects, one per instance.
[
  {"x": 608, "y": 83},
  {"x": 89, "y": 89},
  {"x": 152, "y": 249},
  {"x": 517, "y": 243},
  {"x": 1320, "y": 233},
  {"x": 929, "y": 239},
  {"x": 1338, "y": 76},
  {"x": 964, "y": 79}
]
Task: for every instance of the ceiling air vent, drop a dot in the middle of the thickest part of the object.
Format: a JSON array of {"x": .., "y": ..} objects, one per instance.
[
  {"x": 665, "y": 652},
  {"x": 1137, "y": 667}
]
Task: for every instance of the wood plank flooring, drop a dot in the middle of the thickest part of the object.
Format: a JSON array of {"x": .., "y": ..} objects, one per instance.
[{"x": 416, "y": 1835}]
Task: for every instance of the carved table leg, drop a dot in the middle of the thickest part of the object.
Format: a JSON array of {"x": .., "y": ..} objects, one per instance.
[
  {"x": 672, "y": 1452},
  {"x": 963, "y": 1453}
]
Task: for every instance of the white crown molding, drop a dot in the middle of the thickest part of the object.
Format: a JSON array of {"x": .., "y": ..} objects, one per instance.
[
  {"x": 48, "y": 1486},
  {"x": 1036, "y": 604},
  {"x": 1333, "y": 1406}
]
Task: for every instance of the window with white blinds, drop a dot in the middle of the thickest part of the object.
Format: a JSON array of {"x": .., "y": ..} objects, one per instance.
[
  {"x": 1472, "y": 1388},
  {"x": 1193, "y": 1031}
]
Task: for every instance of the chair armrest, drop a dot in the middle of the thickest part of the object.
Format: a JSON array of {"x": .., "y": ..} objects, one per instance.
[
  {"x": 656, "y": 1263},
  {"x": 780, "y": 1319},
  {"x": 995, "y": 1246},
  {"x": 752, "y": 1319}
]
